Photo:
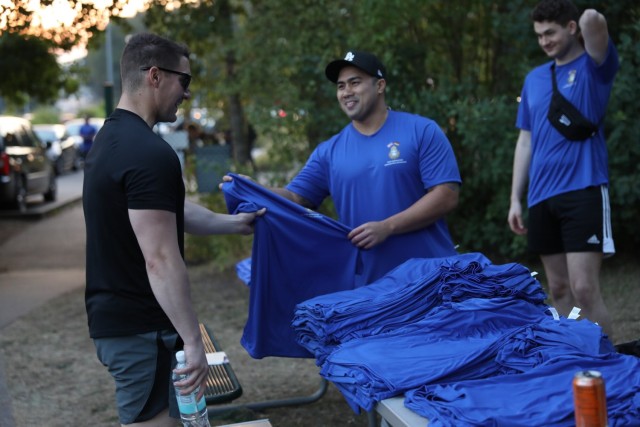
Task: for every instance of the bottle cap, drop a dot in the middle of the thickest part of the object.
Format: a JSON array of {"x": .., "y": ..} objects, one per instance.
[{"x": 180, "y": 357}]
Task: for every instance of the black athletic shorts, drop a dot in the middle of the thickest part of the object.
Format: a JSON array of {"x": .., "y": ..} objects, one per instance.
[
  {"x": 141, "y": 366},
  {"x": 577, "y": 221}
]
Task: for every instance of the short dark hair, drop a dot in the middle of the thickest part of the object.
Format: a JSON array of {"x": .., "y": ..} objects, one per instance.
[
  {"x": 147, "y": 49},
  {"x": 558, "y": 11}
]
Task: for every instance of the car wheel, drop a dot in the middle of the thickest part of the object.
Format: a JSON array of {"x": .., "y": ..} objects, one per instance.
[
  {"x": 52, "y": 192},
  {"x": 20, "y": 195}
]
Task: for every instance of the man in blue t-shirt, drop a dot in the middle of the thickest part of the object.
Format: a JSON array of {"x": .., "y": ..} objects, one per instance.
[
  {"x": 87, "y": 132},
  {"x": 392, "y": 175},
  {"x": 569, "y": 218}
]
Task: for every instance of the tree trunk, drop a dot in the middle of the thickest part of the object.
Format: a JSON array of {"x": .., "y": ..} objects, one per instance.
[{"x": 240, "y": 144}]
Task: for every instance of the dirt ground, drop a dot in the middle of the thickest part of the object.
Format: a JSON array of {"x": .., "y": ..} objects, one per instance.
[{"x": 54, "y": 378}]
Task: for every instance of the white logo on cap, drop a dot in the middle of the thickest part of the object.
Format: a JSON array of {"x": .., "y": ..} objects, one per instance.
[{"x": 349, "y": 57}]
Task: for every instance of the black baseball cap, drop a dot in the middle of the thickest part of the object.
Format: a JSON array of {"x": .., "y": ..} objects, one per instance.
[{"x": 365, "y": 61}]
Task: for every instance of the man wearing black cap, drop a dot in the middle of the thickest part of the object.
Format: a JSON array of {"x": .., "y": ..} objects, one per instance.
[{"x": 392, "y": 175}]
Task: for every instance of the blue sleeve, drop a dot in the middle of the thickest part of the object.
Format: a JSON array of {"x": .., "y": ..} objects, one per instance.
[
  {"x": 523, "y": 120},
  {"x": 312, "y": 182},
  {"x": 606, "y": 71},
  {"x": 438, "y": 163}
]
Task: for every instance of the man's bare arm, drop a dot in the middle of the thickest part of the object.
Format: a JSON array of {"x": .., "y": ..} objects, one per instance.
[
  {"x": 434, "y": 205},
  {"x": 595, "y": 34},
  {"x": 156, "y": 233}
]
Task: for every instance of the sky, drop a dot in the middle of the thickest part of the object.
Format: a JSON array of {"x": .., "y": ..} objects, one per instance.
[{"x": 60, "y": 14}]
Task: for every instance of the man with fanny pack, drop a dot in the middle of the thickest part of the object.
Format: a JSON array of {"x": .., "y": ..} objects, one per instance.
[{"x": 564, "y": 163}]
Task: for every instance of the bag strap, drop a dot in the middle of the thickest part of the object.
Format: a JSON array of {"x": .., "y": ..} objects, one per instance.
[
  {"x": 556, "y": 92},
  {"x": 553, "y": 77}
]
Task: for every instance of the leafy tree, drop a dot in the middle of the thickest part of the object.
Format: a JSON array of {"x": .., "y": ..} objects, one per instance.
[
  {"x": 28, "y": 70},
  {"x": 27, "y": 49},
  {"x": 210, "y": 29},
  {"x": 17, "y": 17}
]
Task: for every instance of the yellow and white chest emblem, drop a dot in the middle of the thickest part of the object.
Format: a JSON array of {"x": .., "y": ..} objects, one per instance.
[{"x": 394, "y": 152}]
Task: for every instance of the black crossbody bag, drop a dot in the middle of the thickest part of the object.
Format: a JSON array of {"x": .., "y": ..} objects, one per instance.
[{"x": 566, "y": 118}]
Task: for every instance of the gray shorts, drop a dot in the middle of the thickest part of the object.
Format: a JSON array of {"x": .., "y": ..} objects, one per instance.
[{"x": 141, "y": 367}]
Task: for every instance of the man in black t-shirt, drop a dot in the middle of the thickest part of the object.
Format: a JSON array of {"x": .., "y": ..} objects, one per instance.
[{"x": 138, "y": 293}]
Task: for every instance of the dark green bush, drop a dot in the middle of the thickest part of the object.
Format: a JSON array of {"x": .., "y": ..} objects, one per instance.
[{"x": 623, "y": 131}]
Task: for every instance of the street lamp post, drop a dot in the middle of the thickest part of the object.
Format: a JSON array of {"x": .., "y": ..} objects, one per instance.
[{"x": 108, "y": 84}]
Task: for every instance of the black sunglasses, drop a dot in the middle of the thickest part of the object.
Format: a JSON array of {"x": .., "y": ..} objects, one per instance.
[{"x": 185, "y": 79}]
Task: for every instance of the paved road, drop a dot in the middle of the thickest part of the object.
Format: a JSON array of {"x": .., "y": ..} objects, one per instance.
[
  {"x": 46, "y": 257},
  {"x": 41, "y": 260}
]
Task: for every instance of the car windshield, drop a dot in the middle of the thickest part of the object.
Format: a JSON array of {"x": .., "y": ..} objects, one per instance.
[
  {"x": 46, "y": 135},
  {"x": 9, "y": 140},
  {"x": 73, "y": 129}
]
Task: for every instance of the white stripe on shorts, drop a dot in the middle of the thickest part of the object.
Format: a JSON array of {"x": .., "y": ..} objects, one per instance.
[{"x": 608, "y": 247}]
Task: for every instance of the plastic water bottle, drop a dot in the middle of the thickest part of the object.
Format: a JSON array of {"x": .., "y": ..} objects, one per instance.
[{"x": 192, "y": 413}]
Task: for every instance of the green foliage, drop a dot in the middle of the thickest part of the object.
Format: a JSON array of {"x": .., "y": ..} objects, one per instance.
[
  {"x": 28, "y": 70},
  {"x": 91, "y": 111},
  {"x": 45, "y": 115},
  {"x": 467, "y": 46},
  {"x": 483, "y": 136}
]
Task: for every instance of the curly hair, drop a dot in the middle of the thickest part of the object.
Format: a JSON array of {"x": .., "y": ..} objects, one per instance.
[{"x": 558, "y": 11}]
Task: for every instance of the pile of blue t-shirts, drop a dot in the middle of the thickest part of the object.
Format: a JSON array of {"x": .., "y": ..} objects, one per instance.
[
  {"x": 508, "y": 280},
  {"x": 476, "y": 330},
  {"x": 540, "y": 342},
  {"x": 405, "y": 295},
  {"x": 477, "y": 322},
  {"x": 471, "y": 340},
  {"x": 540, "y": 396},
  {"x": 451, "y": 343}
]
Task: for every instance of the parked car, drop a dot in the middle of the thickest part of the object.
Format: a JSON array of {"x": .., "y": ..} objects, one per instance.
[
  {"x": 61, "y": 148},
  {"x": 25, "y": 168}
]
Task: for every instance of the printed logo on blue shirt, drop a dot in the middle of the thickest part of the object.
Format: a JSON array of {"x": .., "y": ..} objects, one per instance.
[
  {"x": 571, "y": 78},
  {"x": 312, "y": 214},
  {"x": 394, "y": 154}
]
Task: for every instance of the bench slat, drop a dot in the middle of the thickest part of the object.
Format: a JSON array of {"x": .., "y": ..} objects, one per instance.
[{"x": 222, "y": 383}]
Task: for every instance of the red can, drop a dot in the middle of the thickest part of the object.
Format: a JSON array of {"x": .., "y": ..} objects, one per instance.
[{"x": 590, "y": 399}]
